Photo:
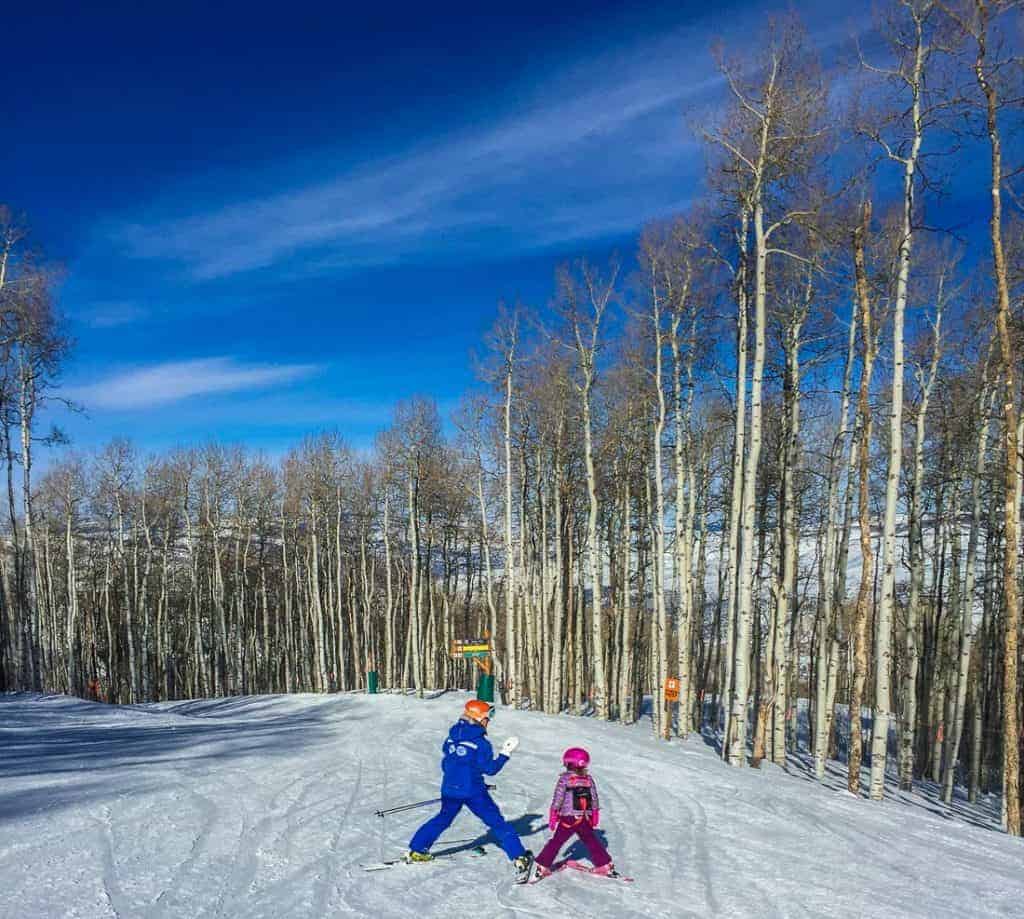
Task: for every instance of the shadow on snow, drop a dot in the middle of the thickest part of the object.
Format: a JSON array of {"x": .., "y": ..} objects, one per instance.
[{"x": 97, "y": 746}]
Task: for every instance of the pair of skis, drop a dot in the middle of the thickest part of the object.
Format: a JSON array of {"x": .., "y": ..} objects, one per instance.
[
  {"x": 480, "y": 851},
  {"x": 475, "y": 852},
  {"x": 522, "y": 876},
  {"x": 574, "y": 865}
]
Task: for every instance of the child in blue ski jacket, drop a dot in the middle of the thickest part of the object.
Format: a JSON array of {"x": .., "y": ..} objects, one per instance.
[{"x": 468, "y": 757}]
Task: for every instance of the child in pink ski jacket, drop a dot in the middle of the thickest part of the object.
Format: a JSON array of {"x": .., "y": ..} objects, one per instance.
[{"x": 575, "y": 811}]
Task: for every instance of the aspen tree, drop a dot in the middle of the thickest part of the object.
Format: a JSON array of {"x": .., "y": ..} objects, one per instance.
[
  {"x": 925, "y": 377},
  {"x": 979, "y": 20},
  {"x": 585, "y": 300},
  {"x": 736, "y": 500},
  {"x": 864, "y": 595},
  {"x": 655, "y": 256},
  {"x": 785, "y": 593},
  {"x": 773, "y": 127},
  {"x": 913, "y": 52},
  {"x": 967, "y": 600},
  {"x": 828, "y": 594},
  {"x": 471, "y": 423},
  {"x": 509, "y": 333},
  {"x": 682, "y": 269}
]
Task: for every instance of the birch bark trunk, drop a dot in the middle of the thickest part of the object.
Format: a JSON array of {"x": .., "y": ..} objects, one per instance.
[
  {"x": 316, "y": 598},
  {"x": 594, "y": 562},
  {"x": 883, "y": 623},
  {"x": 1011, "y": 625},
  {"x": 786, "y": 596},
  {"x": 736, "y": 500},
  {"x": 967, "y": 601},
  {"x": 559, "y": 608},
  {"x": 72, "y": 605},
  {"x": 511, "y": 663},
  {"x": 658, "y": 521},
  {"x": 915, "y": 539},
  {"x": 864, "y": 596},
  {"x": 686, "y": 494},
  {"x": 599, "y": 293},
  {"x": 626, "y": 674},
  {"x": 745, "y": 609},
  {"x": 828, "y": 599},
  {"x": 389, "y": 599}
]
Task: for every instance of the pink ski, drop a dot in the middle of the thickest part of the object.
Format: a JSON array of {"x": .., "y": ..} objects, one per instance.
[{"x": 579, "y": 866}]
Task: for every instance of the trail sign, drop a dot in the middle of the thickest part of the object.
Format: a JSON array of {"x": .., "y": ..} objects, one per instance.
[
  {"x": 471, "y": 648},
  {"x": 477, "y": 650},
  {"x": 671, "y": 689}
]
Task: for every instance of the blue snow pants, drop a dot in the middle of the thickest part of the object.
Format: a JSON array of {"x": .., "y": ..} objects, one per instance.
[{"x": 482, "y": 806}]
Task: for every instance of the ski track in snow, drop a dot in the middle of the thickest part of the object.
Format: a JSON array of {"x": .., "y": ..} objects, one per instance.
[{"x": 264, "y": 807}]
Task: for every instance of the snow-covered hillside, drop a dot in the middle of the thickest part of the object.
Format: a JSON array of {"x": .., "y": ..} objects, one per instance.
[{"x": 264, "y": 807}]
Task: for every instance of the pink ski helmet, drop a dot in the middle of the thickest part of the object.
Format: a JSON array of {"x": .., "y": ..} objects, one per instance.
[{"x": 576, "y": 758}]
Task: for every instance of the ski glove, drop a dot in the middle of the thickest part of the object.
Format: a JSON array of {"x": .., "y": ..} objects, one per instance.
[
  {"x": 552, "y": 819},
  {"x": 509, "y": 746},
  {"x": 595, "y": 818}
]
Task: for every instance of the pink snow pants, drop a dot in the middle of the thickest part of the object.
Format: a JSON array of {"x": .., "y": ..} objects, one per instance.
[{"x": 565, "y": 830}]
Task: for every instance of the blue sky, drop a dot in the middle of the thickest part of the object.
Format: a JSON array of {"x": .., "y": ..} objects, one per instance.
[{"x": 283, "y": 219}]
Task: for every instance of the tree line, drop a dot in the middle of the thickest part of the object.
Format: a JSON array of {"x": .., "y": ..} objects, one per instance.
[{"x": 774, "y": 455}]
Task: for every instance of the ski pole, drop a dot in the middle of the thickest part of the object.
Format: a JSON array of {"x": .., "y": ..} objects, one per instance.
[{"x": 406, "y": 807}]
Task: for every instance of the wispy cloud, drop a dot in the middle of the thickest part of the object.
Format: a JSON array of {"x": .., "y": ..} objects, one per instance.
[
  {"x": 111, "y": 315},
  {"x": 590, "y": 152},
  {"x": 173, "y": 381},
  {"x": 545, "y": 173}
]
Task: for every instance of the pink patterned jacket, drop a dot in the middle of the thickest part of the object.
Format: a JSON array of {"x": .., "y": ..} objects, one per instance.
[{"x": 575, "y": 796}]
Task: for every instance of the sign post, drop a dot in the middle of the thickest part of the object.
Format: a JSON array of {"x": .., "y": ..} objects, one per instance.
[{"x": 477, "y": 650}]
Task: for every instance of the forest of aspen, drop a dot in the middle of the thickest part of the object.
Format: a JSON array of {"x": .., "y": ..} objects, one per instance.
[{"x": 774, "y": 452}]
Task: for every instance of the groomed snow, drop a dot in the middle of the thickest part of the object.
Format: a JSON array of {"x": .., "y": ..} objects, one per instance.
[{"x": 264, "y": 807}]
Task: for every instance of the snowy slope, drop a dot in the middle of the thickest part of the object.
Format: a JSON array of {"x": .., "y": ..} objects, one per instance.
[{"x": 263, "y": 807}]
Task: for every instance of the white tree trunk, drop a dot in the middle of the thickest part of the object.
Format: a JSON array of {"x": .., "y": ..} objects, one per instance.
[
  {"x": 558, "y": 621},
  {"x": 786, "y": 594},
  {"x": 686, "y": 495},
  {"x": 594, "y": 566},
  {"x": 827, "y": 647},
  {"x": 626, "y": 673},
  {"x": 883, "y": 622},
  {"x": 511, "y": 667},
  {"x": 908, "y": 731},
  {"x": 745, "y": 611},
  {"x": 956, "y": 727},
  {"x": 658, "y": 525},
  {"x": 736, "y": 501},
  {"x": 865, "y": 594},
  {"x": 415, "y": 589},
  {"x": 389, "y": 599}
]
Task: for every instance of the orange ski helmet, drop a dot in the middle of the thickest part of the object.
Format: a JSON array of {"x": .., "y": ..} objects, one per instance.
[{"x": 477, "y": 710}]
